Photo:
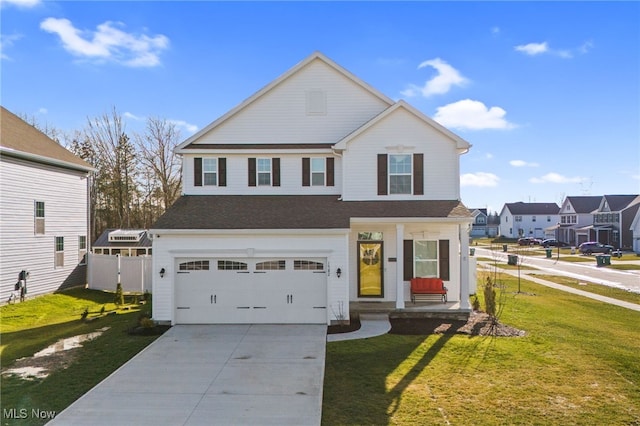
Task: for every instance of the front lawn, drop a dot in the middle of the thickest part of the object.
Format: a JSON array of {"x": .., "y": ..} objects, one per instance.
[
  {"x": 577, "y": 364},
  {"x": 35, "y": 324}
]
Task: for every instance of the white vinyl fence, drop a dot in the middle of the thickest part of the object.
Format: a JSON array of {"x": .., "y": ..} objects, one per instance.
[{"x": 135, "y": 272}]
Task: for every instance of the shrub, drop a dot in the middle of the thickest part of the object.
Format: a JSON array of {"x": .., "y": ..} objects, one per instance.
[
  {"x": 490, "y": 298},
  {"x": 119, "y": 295}
]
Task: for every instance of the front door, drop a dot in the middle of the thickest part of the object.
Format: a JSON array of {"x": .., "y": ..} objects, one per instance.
[{"x": 370, "y": 269}]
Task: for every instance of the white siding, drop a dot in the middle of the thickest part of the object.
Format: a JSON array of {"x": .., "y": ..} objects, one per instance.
[
  {"x": 238, "y": 183},
  {"x": 167, "y": 248},
  {"x": 441, "y": 160},
  {"x": 280, "y": 116},
  {"x": 64, "y": 193}
]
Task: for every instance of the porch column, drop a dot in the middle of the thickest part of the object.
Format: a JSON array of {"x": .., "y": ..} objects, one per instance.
[
  {"x": 464, "y": 266},
  {"x": 399, "y": 266}
]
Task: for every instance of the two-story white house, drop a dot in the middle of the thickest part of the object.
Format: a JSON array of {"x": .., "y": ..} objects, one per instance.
[
  {"x": 529, "y": 220},
  {"x": 44, "y": 219},
  {"x": 315, "y": 192}
]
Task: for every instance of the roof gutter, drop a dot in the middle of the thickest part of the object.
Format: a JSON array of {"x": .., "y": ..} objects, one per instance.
[{"x": 44, "y": 160}]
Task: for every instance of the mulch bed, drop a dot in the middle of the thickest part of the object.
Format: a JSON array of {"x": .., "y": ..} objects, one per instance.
[{"x": 479, "y": 324}]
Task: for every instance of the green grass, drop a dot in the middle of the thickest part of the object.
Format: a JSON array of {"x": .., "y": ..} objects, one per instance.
[
  {"x": 577, "y": 364},
  {"x": 603, "y": 290},
  {"x": 628, "y": 267},
  {"x": 33, "y": 325}
]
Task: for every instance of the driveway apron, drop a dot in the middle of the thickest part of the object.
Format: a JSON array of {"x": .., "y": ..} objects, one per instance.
[{"x": 213, "y": 375}]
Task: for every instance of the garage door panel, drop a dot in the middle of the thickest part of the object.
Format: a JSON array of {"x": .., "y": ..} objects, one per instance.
[{"x": 252, "y": 291}]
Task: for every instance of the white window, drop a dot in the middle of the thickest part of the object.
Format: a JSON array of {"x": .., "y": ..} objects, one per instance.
[
  {"x": 271, "y": 265},
  {"x": 307, "y": 265},
  {"x": 318, "y": 169},
  {"x": 533, "y": 218},
  {"x": 39, "y": 217},
  {"x": 59, "y": 252},
  {"x": 517, "y": 218},
  {"x": 264, "y": 171},
  {"x": 196, "y": 265},
  {"x": 210, "y": 171},
  {"x": 82, "y": 249},
  {"x": 231, "y": 265},
  {"x": 425, "y": 259},
  {"x": 400, "y": 177}
]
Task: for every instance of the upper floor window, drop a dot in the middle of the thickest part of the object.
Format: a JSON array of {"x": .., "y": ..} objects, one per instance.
[
  {"x": 264, "y": 172},
  {"x": 210, "y": 171},
  {"x": 533, "y": 218},
  {"x": 39, "y": 217},
  {"x": 400, "y": 174},
  {"x": 318, "y": 171},
  {"x": 517, "y": 218}
]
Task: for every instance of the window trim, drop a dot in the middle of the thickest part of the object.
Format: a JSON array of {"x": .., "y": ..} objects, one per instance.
[
  {"x": 82, "y": 249},
  {"x": 263, "y": 172},
  {"x": 313, "y": 172},
  {"x": 205, "y": 172},
  {"x": 391, "y": 174},
  {"x": 435, "y": 260},
  {"x": 58, "y": 256},
  {"x": 39, "y": 216}
]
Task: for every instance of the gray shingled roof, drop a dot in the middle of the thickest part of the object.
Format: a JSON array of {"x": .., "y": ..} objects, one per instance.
[
  {"x": 521, "y": 208},
  {"x": 293, "y": 211},
  {"x": 103, "y": 241},
  {"x": 19, "y": 137},
  {"x": 585, "y": 204},
  {"x": 619, "y": 202}
]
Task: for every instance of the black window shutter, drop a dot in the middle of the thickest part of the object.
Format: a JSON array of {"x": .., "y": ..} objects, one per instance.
[
  {"x": 408, "y": 259},
  {"x": 222, "y": 172},
  {"x": 382, "y": 174},
  {"x": 252, "y": 172},
  {"x": 330, "y": 171},
  {"x": 443, "y": 260},
  {"x": 306, "y": 171},
  {"x": 275, "y": 166},
  {"x": 418, "y": 174},
  {"x": 197, "y": 171}
]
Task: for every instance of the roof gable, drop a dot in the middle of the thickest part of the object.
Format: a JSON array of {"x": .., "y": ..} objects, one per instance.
[
  {"x": 616, "y": 203},
  {"x": 583, "y": 204},
  {"x": 461, "y": 144},
  {"x": 316, "y": 62},
  {"x": 21, "y": 139}
]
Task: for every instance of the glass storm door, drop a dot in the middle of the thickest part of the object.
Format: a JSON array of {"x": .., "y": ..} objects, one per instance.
[{"x": 370, "y": 269}]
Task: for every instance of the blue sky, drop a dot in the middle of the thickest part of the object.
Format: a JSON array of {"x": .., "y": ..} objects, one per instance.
[{"x": 548, "y": 93}]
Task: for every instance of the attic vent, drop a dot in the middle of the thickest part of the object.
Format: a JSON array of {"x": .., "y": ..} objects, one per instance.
[
  {"x": 121, "y": 236},
  {"x": 316, "y": 102}
]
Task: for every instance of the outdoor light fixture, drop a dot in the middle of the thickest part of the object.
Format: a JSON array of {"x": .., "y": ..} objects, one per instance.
[
  {"x": 338, "y": 272},
  {"x": 162, "y": 273}
]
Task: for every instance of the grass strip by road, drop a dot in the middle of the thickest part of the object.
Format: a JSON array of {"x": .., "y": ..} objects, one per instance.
[
  {"x": 35, "y": 324},
  {"x": 603, "y": 290},
  {"x": 577, "y": 364}
]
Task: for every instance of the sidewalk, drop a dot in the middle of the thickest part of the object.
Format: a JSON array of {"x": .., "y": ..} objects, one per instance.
[{"x": 371, "y": 325}]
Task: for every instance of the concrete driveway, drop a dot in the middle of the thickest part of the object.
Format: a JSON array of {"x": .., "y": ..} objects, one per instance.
[{"x": 213, "y": 375}]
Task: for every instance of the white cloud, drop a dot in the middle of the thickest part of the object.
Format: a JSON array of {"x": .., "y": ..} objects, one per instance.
[
  {"x": 43, "y": 111},
  {"x": 556, "y": 178},
  {"x": 533, "y": 48},
  {"x": 133, "y": 117},
  {"x": 7, "y": 41},
  {"x": 522, "y": 163},
  {"x": 191, "y": 128},
  {"x": 446, "y": 78},
  {"x": 636, "y": 177},
  {"x": 481, "y": 179},
  {"x": 108, "y": 43},
  {"x": 472, "y": 115},
  {"x": 488, "y": 156},
  {"x": 21, "y": 3}
]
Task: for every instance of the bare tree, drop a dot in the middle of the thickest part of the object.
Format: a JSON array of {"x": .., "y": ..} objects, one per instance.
[{"x": 156, "y": 147}]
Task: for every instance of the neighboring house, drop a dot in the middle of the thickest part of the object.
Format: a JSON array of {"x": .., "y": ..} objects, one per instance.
[
  {"x": 538, "y": 220},
  {"x": 635, "y": 231},
  {"x": 125, "y": 242},
  {"x": 315, "y": 192},
  {"x": 479, "y": 225},
  {"x": 484, "y": 224},
  {"x": 43, "y": 210},
  {"x": 575, "y": 218},
  {"x": 612, "y": 220}
]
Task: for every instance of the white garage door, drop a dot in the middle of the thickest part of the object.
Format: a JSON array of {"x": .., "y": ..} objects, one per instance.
[{"x": 241, "y": 291}]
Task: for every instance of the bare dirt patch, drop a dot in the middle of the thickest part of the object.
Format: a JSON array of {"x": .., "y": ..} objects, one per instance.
[{"x": 478, "y": 324}]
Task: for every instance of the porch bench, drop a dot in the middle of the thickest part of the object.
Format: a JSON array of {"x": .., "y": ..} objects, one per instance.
[{"x": 428, "y": 289}]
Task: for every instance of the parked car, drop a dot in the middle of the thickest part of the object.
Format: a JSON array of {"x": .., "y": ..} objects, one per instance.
[
  {"x": 591, "y": 247},
  {"x": 529, "y": 241},
  {"x": 552, "y": 242}
]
